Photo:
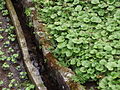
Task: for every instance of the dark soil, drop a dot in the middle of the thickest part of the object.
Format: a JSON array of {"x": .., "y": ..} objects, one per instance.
[{"x": 91, "y": 85}]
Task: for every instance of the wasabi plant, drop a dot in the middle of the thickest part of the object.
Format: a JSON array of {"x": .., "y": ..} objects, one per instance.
[
  {"x": 10, "y": 75},
  {"x": 1, "y": 82},
  {"x": 85, "y": 35},
  {"x": 1, "y": 37},
  {"x": 5, "y": 12},
  {"x": 23, "y": 75},
  {"x": 5, "y": 66},
  {"x": 1, "y": 53},
  {"x": 28, "y": 11},
  {"x": 30, "y": 87},
  {"x": 5, "y": 89}
]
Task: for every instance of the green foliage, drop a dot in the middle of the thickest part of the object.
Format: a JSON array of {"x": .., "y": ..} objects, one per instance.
[
  {"x": 23, "y": 75},
  {"x": 30, "y": 87},
  {"x": 94, "y": 1},
  {"x": 85, "y": 36},
  {"x": 5, "y": 66},
  {"x": 110, "y": 82},
  {"x": 28, "y": 11},
  {"x": 1, "y": 82},
  {"x": 2, "y": 3},
  {"x": 5, "y": 12},
  {"x": 5, "y": 88}
]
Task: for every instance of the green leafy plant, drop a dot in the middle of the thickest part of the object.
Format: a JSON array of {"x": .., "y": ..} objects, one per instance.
[
  {"x": 5, "y": 12},
  {"x": 28, "y": 11},
  {"x": 10, "y": 75},
  {"x": 1, "y": 53},
  {"x": 30, "y": 87},
  {"x": 110, "y": 82},
  {"x": 5, "y": 89},
  {"x": 1, "y": 37},
  {"x": 6, "y": 44},
  {"x": 5, "y": 66},
  {"x": 23, "y": 75},
  {"x": 1, "y": 82}
]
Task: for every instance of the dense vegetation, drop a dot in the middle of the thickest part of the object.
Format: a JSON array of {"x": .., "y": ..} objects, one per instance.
[
  {"x": 86, "y": 37},
  {"x": 12, "y": 73}
]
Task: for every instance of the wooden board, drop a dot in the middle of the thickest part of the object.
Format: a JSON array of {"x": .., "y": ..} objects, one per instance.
[{"x": 36, "y": 79}]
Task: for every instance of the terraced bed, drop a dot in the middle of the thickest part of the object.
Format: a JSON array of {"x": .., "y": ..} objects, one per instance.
[
  {"x": 84, "y": 36},
  {"x": 13, "y": 75},
  {"x": 69, "y": 45}
]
